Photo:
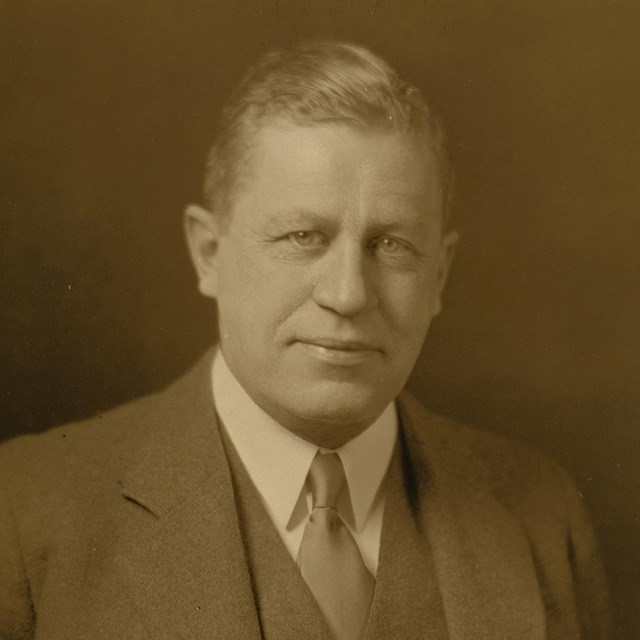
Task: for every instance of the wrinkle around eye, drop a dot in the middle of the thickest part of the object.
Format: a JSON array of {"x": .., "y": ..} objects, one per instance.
[
  {"x": 391, "y": 246},
  {"x": 304, "y": 238}
]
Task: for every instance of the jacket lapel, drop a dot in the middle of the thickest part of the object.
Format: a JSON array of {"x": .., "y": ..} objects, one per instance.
[
  {"x": 481, "y": 553},
  {"x": 183, "y": 558},
  {"x": 407, "y": 602}
]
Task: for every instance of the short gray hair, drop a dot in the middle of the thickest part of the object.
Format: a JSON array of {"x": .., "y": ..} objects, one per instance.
[{"x": 316, "y": 83}]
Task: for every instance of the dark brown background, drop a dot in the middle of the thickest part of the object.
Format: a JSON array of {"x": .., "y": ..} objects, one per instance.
[{"x": 106, "y": 111}]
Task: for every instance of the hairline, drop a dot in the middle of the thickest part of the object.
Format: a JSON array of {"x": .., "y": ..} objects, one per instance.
[{"x": 318, "y": 83}]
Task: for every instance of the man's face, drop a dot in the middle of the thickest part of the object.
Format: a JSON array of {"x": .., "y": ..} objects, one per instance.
[{"x": 327, "y": 273}]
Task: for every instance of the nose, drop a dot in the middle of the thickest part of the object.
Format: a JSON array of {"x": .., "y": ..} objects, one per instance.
[{"x": 344, "y": 286}]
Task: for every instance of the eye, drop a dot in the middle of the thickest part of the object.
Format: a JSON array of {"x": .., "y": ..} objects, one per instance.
[
  {"x": 388, "y": 245},
  {"x": 307, "y": 238}
]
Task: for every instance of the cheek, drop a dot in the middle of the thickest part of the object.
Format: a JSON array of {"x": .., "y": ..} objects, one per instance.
[
  {"x": 410, "y": 300},
  {"x": 256, "y": 294},
  {"x": 408, "y": 308}
]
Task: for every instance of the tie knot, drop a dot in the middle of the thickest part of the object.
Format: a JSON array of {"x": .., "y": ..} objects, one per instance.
[{"x": 326, "y": 477}]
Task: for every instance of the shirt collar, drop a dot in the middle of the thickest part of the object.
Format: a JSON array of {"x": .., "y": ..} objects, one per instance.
[
  {"x": 366, "y": 459},
  {"x": 278, "y": 461}
]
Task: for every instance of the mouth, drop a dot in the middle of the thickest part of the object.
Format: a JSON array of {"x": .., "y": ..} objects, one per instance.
[{"x": 338, "y": 352}]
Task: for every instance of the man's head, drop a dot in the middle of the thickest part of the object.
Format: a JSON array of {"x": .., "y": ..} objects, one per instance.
[{"x": 325, "y": 244}]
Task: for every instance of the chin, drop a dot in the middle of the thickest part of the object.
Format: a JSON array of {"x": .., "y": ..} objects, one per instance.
[{"x": 341, "y": 404}]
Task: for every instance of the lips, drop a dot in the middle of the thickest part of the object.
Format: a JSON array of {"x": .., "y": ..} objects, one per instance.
[
  {"x": 338, "y": 352},
  {"x": 339, "y": 344}
]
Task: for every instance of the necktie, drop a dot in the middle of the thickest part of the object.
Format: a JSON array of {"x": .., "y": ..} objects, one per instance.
[{"x": 329, "y": 558}]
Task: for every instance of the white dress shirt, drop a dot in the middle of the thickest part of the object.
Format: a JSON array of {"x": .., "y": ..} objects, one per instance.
[{"x": 278, "y": 462}]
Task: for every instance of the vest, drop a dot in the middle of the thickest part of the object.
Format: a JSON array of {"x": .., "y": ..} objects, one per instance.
[{"x": 406, "y": 602}]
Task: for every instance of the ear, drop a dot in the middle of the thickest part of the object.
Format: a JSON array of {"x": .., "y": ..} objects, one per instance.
[
  {"x": 202, "y": 230},
  {"x": 447, "y": 248}
]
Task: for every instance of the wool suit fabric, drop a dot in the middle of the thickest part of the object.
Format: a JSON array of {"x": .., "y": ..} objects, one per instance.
[{"x": 127, "y": 526}]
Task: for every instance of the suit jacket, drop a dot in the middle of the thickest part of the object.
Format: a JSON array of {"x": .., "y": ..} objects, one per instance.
[{"x": 125, "y": 526}]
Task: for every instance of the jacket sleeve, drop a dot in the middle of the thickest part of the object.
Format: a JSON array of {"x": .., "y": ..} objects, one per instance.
[
  {"x": 16, "y": 609},
  {"x": 591, "y": 592}
]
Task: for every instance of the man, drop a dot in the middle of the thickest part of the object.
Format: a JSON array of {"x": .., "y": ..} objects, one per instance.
[{"x": 286, "y": 487}]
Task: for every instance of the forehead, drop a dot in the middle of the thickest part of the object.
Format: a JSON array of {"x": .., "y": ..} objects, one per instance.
[{"x": 333, "y": 164}]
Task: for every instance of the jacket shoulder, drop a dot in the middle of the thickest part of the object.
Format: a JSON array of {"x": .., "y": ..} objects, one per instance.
[
  {"x": 109, "y": 442},
  {"x": 538, "y": 493},
  {"x": 513, "y": 472},
  {"x": 76, "y": 452}
]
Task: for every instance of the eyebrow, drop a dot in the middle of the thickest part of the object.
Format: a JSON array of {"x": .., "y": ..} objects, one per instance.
[{"x": 303, "y": 217}]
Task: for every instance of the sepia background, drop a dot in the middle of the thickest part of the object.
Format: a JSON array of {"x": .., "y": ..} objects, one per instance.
[{"x": 106, "y": 112}]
